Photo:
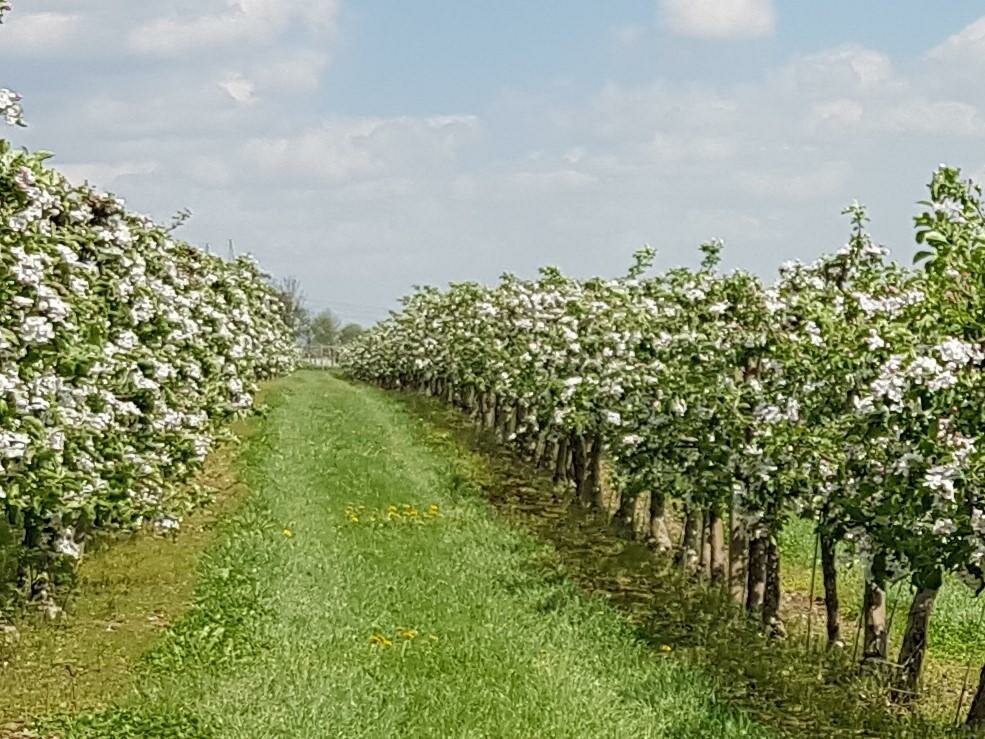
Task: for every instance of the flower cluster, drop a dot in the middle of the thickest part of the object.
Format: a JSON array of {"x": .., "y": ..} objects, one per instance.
[
  {"x": 11, "y": 111},
  {"x": 10, "y": 107},
  {"x": 122, "y": 354}
]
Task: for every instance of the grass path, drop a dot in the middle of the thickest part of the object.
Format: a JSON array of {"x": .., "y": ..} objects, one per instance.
[{"x": 366, "y": 589}]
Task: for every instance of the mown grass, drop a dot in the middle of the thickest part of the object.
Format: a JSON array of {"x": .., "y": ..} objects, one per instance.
[
  {"x": 793, "y": 691},
  {"x": 128, "y": 590},
  {"x": 365, "y": 589}
]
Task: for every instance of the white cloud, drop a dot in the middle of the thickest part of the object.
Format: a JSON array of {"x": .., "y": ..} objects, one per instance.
[
  {"x": 343, "y": 150},
  {"x": 38, "y": 33},
  {"x": 966, "y": 45},
  {"x": 239, "y": 88},
  {"x": 296, "y": 72},
  {"x": 844, "y": 69},
  {"x": 214, "y": 25},
  {"x": 360, "y": 206},
  {"x": 719, "y": 19},
  {"x": 106, "y": 176},
  {"x": 795, "y": 185}
]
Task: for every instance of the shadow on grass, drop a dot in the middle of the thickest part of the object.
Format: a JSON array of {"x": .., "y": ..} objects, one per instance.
[
  {"x": 792, "y": 691},
  {"x": 128, "y": 590}
]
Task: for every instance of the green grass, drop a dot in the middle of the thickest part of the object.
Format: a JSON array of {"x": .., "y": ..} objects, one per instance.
[
  {"x": 321, "y": 613},
  {"x": 956, "y": 632},
  {"x": 128, "y": 589},
  {"x": 794, "y": 691},
  {"x": 956, "y": 646}
]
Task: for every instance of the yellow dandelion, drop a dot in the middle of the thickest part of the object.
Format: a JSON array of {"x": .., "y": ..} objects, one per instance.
[
  {"x": 380, "y": 640},
  {"x": 407, "y": 633},
  {"x": 666, "y": 648},
  {"x": 288, "y": 533}
]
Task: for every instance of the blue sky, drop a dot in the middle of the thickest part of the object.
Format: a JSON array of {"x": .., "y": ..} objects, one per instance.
[{"x": 368, "y": 146}]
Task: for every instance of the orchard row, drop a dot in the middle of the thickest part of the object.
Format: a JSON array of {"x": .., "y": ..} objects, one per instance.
[
  {"x": 122, "y": 353},
  {"x": 848, "y": 391}
]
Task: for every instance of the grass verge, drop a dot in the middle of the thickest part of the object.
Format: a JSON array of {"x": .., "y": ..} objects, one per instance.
[
  {"x": 365, "y": 590},
  {"x": 128, "y": 591}
]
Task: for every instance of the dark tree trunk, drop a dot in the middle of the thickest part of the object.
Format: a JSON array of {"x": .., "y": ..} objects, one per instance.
[
  {"x": 688, "y": 556},
  {"x": 550, "y": 455},
  {"x": 582, "y": 460},
  {"x": 830, "y": 574},
  {"x": 914, "y": 647},
  {"x": 540, "y": 448},
  {"x": 624, "y": 514},
  {"x": 561, "y": 464},
  {"x": 756, "y": 561},
  {"x": 976, "y": 714},
  {"x": 599, "y": 493},
  {"x": 771, "y": 595}
]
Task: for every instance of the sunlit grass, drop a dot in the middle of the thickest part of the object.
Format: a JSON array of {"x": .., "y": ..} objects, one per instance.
[{"x": 426, "y": 616}]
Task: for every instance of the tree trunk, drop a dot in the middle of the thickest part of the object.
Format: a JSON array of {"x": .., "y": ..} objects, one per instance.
[
  {"x": 512, "y": 423},
  {"x": 704, "y": 557},
  {"x": 874, "y": 643},
  {"x": 830, "y": 575},
  {"x": 583, "y": 473},
  {"x": 688, "y": 556},
  {"x": 489, "y": 414},
  {"x": 561, "y": 462},
  {"x": 976, "y": 714},
  {"x": 550, "y": 455},
  {"x": 716, "y": 545},
  {"x": 579, "y": 460},
  {"x": 756, "y": 561},
  {"x": 599, "y": 492},
  {"x": 658, "y": 523},
  {"x": 624, "y": 514},
  {"x": 641, "y": 516},
  {"x": 503, "y": 413},
  {"x": 914, "y": 647},
  {"x": 540, "y": 448},
  {"x": 737, "y": 551},
  {"x": 771, "y": 595}
]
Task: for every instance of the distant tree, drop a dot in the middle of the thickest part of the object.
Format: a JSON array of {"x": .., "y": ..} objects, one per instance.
[
  {"x": 325, "y": 329},
  {"x": 295, "y": 312},
  {"x": 350, "y": 332}
]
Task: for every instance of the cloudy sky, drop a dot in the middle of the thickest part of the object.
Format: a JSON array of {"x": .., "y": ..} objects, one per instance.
[{"x": 365, "y": 146}]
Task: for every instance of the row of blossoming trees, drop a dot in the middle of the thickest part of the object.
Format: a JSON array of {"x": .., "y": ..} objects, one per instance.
[
  {"x": 849, "y": 391},
  {"x": 123, "y": 352}
]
